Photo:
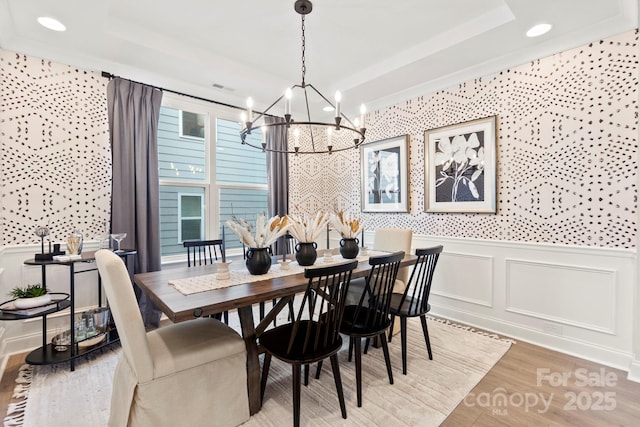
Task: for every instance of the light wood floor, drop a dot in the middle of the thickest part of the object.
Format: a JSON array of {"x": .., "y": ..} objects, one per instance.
[
  {"x": 590, "y": 395},
  {"x": 608, "y": 398}
]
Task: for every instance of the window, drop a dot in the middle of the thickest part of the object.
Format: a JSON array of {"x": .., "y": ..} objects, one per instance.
[
  {"x": 190, "y": 217},
  {"x": 191, "y": 125},
  {"x": 206, "y": 175}
]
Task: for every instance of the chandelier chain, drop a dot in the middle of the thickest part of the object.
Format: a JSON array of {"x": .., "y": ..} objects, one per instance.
[
  {"x": 304, "y": 67},
  {"x": 319, "y": 143}
]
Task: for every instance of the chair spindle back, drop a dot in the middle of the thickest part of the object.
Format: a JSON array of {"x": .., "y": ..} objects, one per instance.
[
  {"x": 377, "y": 292},
  {"x": 200, "y": 251},
  {"x": 317, "y": 321},
  {"x": 416, "y": 294}
]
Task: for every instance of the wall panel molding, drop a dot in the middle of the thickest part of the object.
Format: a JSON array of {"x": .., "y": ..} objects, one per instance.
[
  {"x": 472, "y": 284},
  {"x": 592, "y": 291}
]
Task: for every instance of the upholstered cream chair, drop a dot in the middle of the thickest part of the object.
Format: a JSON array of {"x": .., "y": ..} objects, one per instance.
[
  {"x": 394, "y": 240},
  {"x": 185, "y": 374},
  {"x": 388, "y": 240}
]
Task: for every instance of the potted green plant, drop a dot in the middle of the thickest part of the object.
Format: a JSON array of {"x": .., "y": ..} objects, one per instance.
[{"x": 30, "y": 296}]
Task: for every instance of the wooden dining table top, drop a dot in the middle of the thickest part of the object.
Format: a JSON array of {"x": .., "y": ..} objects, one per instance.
[{"x": 178, "y": 307}]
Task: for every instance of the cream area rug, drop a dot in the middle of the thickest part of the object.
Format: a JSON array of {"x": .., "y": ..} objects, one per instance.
[{"x": 54, "y": 396}]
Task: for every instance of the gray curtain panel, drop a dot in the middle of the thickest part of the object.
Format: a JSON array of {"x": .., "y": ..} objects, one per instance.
[
  {"x": 277, "y": 174},
  {"x": 134, "y": 111}
]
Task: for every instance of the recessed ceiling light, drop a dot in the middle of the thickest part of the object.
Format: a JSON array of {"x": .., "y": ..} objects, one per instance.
[
  {"x": 327, "y": 108},
  {"x": 52, "y": 24},
  {"x": 538, "y": 30}
]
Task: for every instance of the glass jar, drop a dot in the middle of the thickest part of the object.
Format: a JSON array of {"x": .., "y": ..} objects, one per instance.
[{"x": 74, "y": 242}]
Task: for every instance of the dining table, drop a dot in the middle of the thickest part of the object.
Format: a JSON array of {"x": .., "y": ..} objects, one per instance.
[{"x": 179, "y": 307}]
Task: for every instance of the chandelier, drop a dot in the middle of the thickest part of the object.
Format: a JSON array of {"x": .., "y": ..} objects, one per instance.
[{"x": 325, "y": 137}]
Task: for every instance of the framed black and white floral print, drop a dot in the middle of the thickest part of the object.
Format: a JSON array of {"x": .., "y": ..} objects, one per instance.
[
  {"x": 460, "y": 167},
  {"x": 385, "y": 176}
]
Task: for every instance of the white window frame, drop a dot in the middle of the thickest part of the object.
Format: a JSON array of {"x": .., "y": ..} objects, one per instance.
[{"x": 211, "y": 187}]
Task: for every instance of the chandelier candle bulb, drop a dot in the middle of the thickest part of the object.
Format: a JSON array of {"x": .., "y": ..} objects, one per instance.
[
  {"x": 363, "y": 111},
  {"x": 249, "y": 109},
  {"x": 338, "y": 99},
  {"x": 287, "y": 101}
]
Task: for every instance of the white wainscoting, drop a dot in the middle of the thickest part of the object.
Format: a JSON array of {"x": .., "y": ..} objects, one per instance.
[{"x": 577, "y": 300}]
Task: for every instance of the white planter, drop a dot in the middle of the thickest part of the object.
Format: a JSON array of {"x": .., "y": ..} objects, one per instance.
[{"x": 32, "y": 302}]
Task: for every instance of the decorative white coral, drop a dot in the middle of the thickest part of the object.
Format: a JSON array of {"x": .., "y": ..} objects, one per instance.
[
  {"x": 266, "y": 231},
  {"x": 307, "y": 230},
  {"x": 346, "y": 225}
]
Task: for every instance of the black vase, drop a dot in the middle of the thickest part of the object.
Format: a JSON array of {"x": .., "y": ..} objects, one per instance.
[
  {"x": 349, "y": 248},
  {"x": 306, "y": 253},
  {"x": 258, "y": 260}
]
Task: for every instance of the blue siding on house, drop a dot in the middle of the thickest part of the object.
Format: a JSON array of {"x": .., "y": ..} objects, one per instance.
[
  {"x": 187, "y": 155},
  {"x": 235, "y": 162}
]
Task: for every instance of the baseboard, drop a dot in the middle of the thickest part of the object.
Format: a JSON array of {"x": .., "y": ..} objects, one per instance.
[
  {"x": 633, "y": 373},
  {"x": 21, "y": 344},
  {"x": 573, "y": 347}
]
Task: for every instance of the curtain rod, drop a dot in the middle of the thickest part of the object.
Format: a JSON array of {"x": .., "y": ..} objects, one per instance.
[{"x": 110, "y": 76}]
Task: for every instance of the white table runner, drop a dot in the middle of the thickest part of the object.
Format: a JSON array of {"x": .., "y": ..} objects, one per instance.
[{"x": 241, "y": 275}]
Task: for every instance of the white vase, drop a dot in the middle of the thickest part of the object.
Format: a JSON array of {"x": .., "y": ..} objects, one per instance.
[{"x": 32, "y": 302}]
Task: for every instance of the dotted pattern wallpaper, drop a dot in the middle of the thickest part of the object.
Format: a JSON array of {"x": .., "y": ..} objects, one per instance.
[
  {"x": 567, "y": 152},
  {"x": 56, "y": 159}
]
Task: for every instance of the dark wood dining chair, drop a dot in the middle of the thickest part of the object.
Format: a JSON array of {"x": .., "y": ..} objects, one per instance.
[
  {"x": 414, "y": 301},
  {"x": 202, "y": 252},
  {"x": 314, "y": 334},
  {"x": 369, "y": 317},
  {"x": 386, "y": 240}
]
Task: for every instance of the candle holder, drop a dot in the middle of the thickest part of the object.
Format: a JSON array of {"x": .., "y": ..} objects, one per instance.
[
  {"x": 364, "y": 251},
  {"x": 43, "y": 232},
  {"x": 328, "y": 255},
  {"x": 222, "y": 270},
  {"x": 284, "y": 264}
]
